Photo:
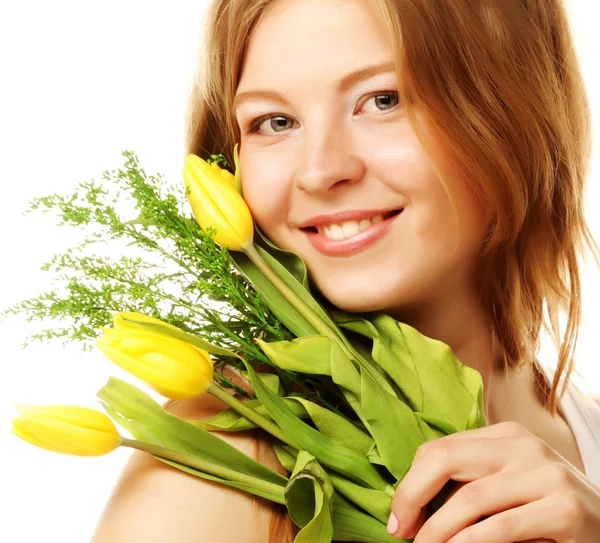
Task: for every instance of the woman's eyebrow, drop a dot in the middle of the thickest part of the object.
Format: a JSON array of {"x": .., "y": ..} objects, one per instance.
[{"x": 342, "y": 85}]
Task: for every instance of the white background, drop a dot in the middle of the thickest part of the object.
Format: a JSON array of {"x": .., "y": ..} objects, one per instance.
[{"x": 81, "y": 82}]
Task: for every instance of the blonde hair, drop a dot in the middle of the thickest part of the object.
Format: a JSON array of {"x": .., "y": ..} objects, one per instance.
[{"x": 497, "y": 85}]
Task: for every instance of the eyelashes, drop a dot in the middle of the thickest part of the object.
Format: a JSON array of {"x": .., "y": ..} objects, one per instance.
[{"x": 257, "y": 123}]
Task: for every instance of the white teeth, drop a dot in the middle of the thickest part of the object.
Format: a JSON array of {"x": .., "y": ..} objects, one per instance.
[
  {"x": 348, "y": 229},
  {"x": 364, "y": 224},
  {"x": 335, "y": 232}
]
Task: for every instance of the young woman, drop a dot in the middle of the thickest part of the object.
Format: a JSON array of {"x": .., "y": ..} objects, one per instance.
[{"x": 426, "y": 159}]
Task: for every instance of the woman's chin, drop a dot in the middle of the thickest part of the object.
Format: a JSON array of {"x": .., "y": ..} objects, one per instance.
[{"x": 358, "y": 300}]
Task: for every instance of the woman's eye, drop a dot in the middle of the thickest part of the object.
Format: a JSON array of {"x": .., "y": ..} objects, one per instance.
[
  {"x": 277, "y": 123},
  {"x": 384, "y": 100}
]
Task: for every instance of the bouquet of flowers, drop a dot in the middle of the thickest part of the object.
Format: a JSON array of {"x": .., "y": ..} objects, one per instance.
[{"x": 347, "y": 399}]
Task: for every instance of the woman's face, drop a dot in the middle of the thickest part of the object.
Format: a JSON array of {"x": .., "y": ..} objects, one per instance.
[{"x": 332, "y": 169}]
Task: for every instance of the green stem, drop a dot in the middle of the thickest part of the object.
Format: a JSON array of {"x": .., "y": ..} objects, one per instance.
[
  {"x": 260, "y": 420},
  {"x": 290, "y": 295},
  {"x": 206, "y": 466}
]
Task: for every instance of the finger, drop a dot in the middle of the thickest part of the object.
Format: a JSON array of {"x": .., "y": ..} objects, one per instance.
[
  {"x": 537, "y": 521},
  {"x": 437, "y": 462},
  {"x": 485, "y": 497},
  {"x": 502, "y": 429}
]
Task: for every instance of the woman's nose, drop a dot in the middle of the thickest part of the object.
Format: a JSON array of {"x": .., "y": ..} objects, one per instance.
[{"x": 328, "y": 159}]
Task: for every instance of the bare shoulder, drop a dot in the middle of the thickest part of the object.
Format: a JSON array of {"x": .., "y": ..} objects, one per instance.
[{"x": 154, "y": 502}]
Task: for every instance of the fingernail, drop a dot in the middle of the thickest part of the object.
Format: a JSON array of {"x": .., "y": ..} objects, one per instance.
[{"x": 392, "y": 525}]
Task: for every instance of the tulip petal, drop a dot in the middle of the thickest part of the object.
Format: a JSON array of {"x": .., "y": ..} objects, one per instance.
[
  {"x": 216, "y": 203},
  {"x": 73, "y": 414},
  {"x": 42, "y": 444},
  {"x": 208, "y": 216},
  {"x": 169, "y": 377},
  {"x": 66, "y": 437},
  {"x": 135, "y": 341}
]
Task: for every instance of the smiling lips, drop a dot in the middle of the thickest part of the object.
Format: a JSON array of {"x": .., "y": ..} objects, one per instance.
[{"x": 348, "y": 232}]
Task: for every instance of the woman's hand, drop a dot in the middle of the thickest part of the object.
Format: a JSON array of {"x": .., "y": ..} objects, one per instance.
[{"x": 523, "y": 488}]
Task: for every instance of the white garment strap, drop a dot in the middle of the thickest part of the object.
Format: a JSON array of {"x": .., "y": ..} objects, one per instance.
[{"x": 583, "y": 416}]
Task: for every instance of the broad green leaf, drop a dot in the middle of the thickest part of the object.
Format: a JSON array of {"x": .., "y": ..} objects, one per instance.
[
  {"x": 352, "y": 524},
  {"x": 308, "y": 497},
  {"x": 318, "y": 355},
  {"x": 290, "y": 260},
  {"x": 148, "y": 421},
  {"x": 292, "y": 271},
  {"x": 277, "y": 497},
  {"x": 337, "y": 428},
  {"x": 375, "y": 502},
  {"x": 327, "y": 452},
  {"x": 374, "y": 456},
  {"x": 229, "y": 420},
  {"x": 433, "y": 381},
  {"x": 277, "y": 303},
  {"x": 271, "y": 381},
  {"x": 285, "y": 455},
  {"x": 393, "y": 426},
  {"x": 310, "y": 354},
  {"x": 274, "y": 497}
]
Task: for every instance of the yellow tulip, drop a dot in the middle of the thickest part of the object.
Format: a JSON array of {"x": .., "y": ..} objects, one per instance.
[
  {"x": 170, "y": 366},
  {"x": 225, "y": 174},
  {"x": 66, "y": 429},
  {"x": 217, "y": 204}
]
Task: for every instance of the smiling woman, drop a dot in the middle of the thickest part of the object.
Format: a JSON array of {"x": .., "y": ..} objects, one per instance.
[{"x": 427, "y": 160}]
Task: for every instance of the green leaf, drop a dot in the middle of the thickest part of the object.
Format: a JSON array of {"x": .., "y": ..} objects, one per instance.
[
  {"x": 308, "y": 497},
  {"x": 337, "y": 428},
  {"x": 292, "y": 262},
  {"x": 375, "y": 502},
  {"x": 393, "y": 425},
  {"x": 374, "y": 456},
  {"x": 148, "y": 421},
  {"x": 270, "y": 380},
  {"x": 318, "y": 355},
  {"x": 286, "y": 456},
  {"x": 431, "y": 378},
  {"x": 274, "y": 497},
  {"x": 237, "y": 178},
  {"x": 292, "y": 270},
  {"x": 352, "y": 524},
  {"x": 327, "y": 452},
  {"x": 310, "y": 354},
  {"x": 229, "y": 420}
]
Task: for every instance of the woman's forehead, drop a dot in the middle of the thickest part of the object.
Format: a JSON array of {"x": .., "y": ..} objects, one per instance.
[{"x": 328, "y": 38}]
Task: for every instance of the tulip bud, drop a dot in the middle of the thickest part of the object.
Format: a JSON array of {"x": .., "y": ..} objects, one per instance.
[
  {"x": 66, "y": 429},
  {"x": 215, "y": 203},
  {"x": 170, "y": 366},
  {"x": 226, "y": 175}
]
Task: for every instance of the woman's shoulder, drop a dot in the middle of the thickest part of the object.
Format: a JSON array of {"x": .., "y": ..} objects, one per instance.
[{"x": 153, "y": 501}]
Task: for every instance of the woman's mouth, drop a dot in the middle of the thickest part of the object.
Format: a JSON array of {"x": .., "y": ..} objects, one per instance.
[{"x": 345, "y": 238}]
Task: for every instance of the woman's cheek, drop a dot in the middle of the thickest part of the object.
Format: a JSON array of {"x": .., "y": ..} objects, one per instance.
[{"x": 267, "y": 201}]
